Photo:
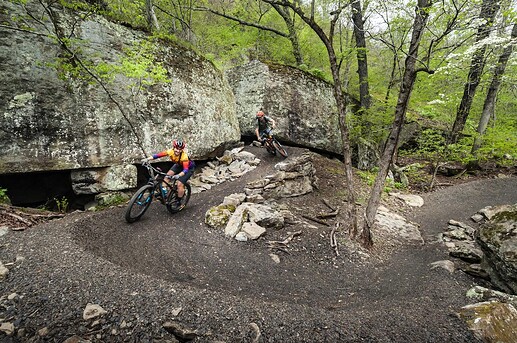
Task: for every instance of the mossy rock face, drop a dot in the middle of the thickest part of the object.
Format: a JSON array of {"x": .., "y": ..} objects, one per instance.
[
  {"x": 491, "y": 321},
  {"x": 501, "y": 228},
  {"x": 505, "y": 216},
  {"x": 498, "y": 241},
  {"x": 218, "y": 216}
]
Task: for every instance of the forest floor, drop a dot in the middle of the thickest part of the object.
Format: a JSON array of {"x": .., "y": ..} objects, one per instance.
[{"x": 169, "y": 278}]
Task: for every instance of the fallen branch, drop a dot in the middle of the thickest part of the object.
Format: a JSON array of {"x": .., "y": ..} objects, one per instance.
[
  {"x": 333, "y": 242},
  {"x": 275, "y": 246},
  {"x": 20, "y": 218},
  {"x": 315, "y": 220},
  {"x": 283, "y": 245},
  {"x": 22, "y": 211},
  {"x": 17, "y": 217},
  {"x": 460, "y": 174},
  {"x": 328, "y": 215},
  {"x": 325, "y": 201},
  {"x": 433, "y": 178}
]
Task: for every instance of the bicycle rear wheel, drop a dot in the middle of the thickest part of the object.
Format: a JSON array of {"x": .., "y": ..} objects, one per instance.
[
  {"x": 139, "y": 203},
  {"x": 172, "y": 204},
  {"x": 279, "y": 148}
]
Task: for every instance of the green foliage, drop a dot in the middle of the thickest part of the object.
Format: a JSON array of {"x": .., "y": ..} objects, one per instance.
[
  {"x": 131, "y": 12},
  {"x": 112, "y": 200},
  {"x": 368, "y": 176},
  {"x": 4, "y": 198},
  {"x": 61, "y": 204},
  {"x": 214, "y": 41},
  {"x": 19, "y": 2},
  {"x": 139, "y": 64},
  {"x": 417, "y": 175},
  {"x": 431, "y": 144},
  {"x": 371, "y": 125},
  {"x": 500, "y": 143},
  {"x": 79, "y": 5},
  {"x": 320, "y": 74}
]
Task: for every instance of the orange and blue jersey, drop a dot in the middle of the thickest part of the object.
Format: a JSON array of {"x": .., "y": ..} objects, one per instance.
[{"x": 182, "y": 159}]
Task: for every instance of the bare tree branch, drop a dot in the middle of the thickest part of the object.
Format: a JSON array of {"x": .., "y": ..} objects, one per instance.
[{"x": 242, "y": 22}]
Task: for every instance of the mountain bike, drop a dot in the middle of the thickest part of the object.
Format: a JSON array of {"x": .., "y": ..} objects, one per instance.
[
  {"x": 272, "y": 145},
  {"x": 161, "y": 187}
]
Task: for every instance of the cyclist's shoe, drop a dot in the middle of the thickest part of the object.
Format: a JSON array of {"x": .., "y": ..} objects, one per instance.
[{"x": 262, "y": 141}]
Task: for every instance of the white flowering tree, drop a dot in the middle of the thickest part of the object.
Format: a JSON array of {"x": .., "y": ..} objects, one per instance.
[
  {"x": 488, "y": 12},
  {"x": 495, "y": 84}
]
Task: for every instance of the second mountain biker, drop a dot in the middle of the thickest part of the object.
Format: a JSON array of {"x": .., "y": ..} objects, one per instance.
[{"x": 263, "y": 124}]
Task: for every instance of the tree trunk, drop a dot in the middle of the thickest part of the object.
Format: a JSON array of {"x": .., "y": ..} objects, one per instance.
[
  {"x": 345, "y": 136},
  {"x": 362, "y": 62},
  {"x": 152, "y": 21},
  {"x": 293, "y": 37},
  {"x": 392, "y": 82},
  {"x": 408, "y": 80},
  {"x": 489, "y": 105},
  {"x": 340, "y": 103},
  {"x": 489, "y": 9}
]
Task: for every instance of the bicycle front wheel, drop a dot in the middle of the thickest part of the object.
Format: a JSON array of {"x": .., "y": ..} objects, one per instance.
[
  {"x": 279, "y": 148},
  {"x": 139, "y": 203},
  {"x": 173, "y": 205},
  {"x": 270, "y": 147}
]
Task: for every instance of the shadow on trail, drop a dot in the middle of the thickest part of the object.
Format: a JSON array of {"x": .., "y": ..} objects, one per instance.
[{"x": 180, "y": 248}]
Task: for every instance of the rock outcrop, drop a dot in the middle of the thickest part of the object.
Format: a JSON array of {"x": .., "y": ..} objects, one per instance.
[
  {"x": 53, "y": 120},
  {"x": 250, "y": 214},
  {"x": 491, "y": 249},
  {"x": 498, "y": 240},
  {"x": 302, "y": 105}
]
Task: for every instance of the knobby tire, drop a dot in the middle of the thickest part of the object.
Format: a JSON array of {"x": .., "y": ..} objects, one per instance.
[
  {"x": 270, "y": 148},
  {"x": 171, "y": 200},
  {"x": 279, "y": 148},
  {"x": 139, "y": 203}
]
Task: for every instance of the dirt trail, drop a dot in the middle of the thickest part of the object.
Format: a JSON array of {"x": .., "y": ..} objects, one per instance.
[{"x": 141, "y": 272}]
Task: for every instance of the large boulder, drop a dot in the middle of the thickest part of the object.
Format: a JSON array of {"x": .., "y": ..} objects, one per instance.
[
  {"x": 498, "y": 240},
  {"x": 51, "y": 122},
  {"x": 302, "y": 105}
]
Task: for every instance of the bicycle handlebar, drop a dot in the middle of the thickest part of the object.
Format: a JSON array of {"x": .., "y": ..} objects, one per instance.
[{"x": 152, "y": 170}]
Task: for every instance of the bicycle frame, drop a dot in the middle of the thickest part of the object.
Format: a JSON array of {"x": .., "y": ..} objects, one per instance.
[
  {"x": 157, "y": 178},
  {"x": 157, "y": 187},
  {"x": 272, "y": 145}
]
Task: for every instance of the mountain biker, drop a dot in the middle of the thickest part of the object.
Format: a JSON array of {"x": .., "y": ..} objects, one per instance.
[
  {"x": 264, "y": 124},
  {"x": 183, "y": 166}
]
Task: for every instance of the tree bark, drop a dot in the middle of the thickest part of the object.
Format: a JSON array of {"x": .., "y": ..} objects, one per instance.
[
  {"x": 489, "y": 9},
  {"x": 489, "y": 105},
  {"x": 152, "y": 21},
  {"x": 362, "y": 61},
  {"x": 408, "y": 80},
  {"x": 339, "y": 96},
  {"x": 292, "y": 35}
]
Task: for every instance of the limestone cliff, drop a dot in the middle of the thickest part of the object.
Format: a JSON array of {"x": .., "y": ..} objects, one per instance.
[
  {"x": 50, "y": 122},
  {"x": 302, "y": 105}
]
